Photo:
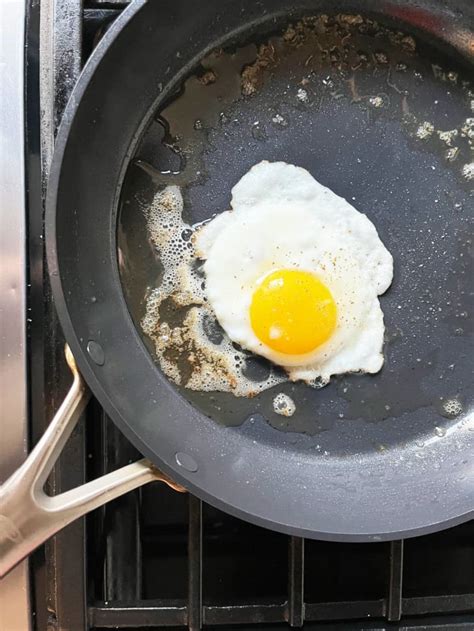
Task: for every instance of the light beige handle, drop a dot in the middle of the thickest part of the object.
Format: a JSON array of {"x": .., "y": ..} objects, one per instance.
[{"x": 28, "y": 516}]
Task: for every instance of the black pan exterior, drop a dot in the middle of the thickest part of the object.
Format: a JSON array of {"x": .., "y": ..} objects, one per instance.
[{"x": 271, "y": 478}]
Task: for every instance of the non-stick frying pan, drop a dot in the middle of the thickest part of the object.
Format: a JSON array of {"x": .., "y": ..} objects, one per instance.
[{"x": 366, "y": 458}]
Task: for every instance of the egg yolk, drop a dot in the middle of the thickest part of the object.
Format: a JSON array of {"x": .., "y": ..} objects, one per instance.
[{"x": 292, "y": 312}]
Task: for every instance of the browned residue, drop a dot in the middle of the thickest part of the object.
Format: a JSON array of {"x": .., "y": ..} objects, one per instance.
[
  {"x": 252, "y": 74},
  {"x": 208, "y": 77}
]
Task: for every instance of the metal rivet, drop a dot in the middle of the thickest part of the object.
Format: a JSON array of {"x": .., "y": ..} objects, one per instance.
[
  {"x": 96, "y": 352},
  {"x": 186, "y": 461}
]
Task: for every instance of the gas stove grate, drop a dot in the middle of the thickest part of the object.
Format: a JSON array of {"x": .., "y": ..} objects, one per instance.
[
  {"x": 295, "y": 609},
  {"x": 170, "y": 560}
]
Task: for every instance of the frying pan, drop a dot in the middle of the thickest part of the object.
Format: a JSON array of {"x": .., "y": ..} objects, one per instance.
[{"x": 367, "y": 458}]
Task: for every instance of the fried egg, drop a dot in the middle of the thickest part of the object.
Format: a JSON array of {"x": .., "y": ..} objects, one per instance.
[{"x": 293, "y": 273}]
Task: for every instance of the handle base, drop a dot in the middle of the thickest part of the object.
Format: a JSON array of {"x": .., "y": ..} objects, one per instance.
[{"x": 28, "y": 517}]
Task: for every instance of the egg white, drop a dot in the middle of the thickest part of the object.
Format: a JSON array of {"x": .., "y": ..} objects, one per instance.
[{"x": 282, "y": 218}]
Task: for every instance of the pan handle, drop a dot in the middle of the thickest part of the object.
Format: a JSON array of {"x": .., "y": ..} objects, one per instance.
[{"x": 28, "y": 517}]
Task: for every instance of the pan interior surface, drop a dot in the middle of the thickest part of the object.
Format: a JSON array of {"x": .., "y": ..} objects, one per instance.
[
  {"x": 376, "y": 115},
  {"x": 377, "y": 112}
]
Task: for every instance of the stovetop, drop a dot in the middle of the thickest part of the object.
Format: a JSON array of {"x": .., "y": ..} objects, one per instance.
[{"x": 158, "y": 559}]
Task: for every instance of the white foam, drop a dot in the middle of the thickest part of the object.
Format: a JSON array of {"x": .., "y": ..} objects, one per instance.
[
  {"x": 186, "y": 354},
  {"x": 284, "y": 405}
]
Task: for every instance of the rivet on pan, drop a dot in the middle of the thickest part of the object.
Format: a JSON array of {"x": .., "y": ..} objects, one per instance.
[
  {"x": 96, "y": 353},
  {"x": 186, "y": 461}
]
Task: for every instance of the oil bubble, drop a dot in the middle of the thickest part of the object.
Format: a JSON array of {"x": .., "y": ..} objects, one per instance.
[{"x": 284, "y": 405}]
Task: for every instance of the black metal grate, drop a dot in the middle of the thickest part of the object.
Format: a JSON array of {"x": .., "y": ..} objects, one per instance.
[{"x": 202, "y": 568}]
